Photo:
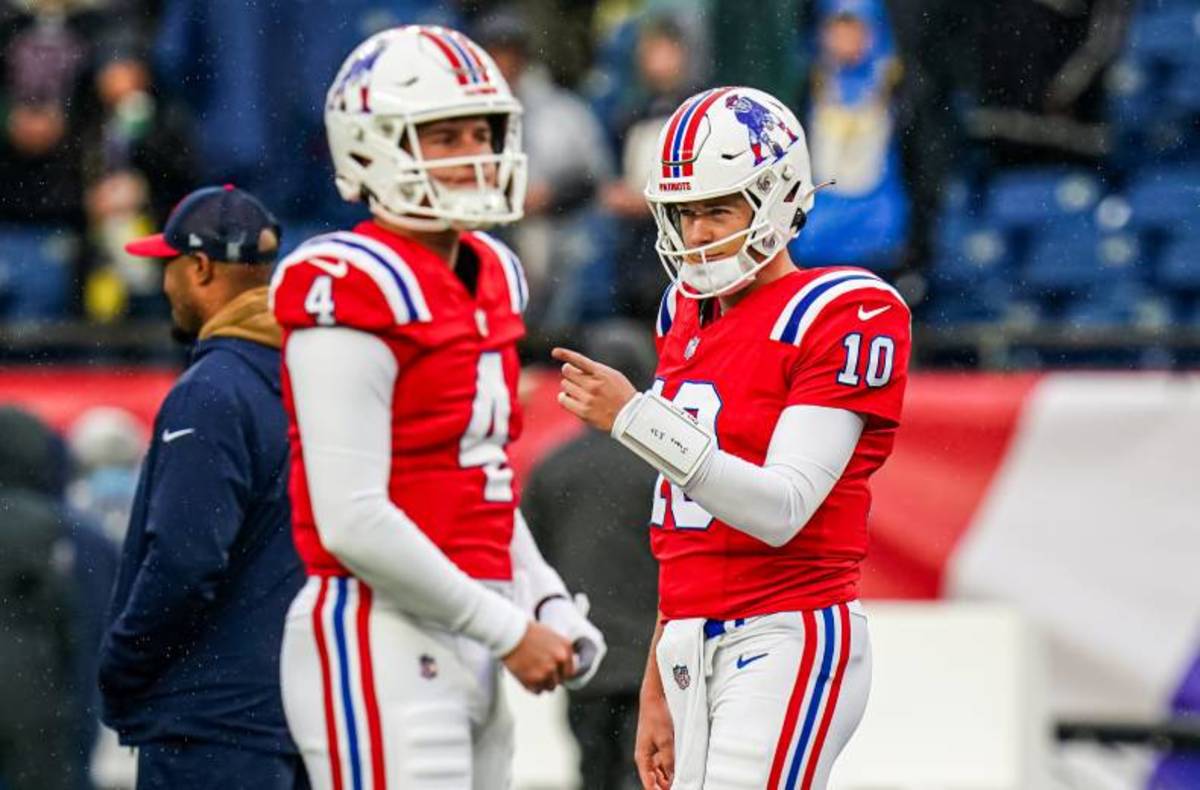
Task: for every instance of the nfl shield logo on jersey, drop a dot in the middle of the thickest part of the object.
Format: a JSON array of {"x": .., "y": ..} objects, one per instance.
[
  {"x": 429, "y": 668},
  {"x": 682, "y": 678}
]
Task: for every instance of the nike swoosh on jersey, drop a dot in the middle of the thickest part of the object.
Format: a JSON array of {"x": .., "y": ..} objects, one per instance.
[
  {"x": 743, "y": 661},
  {"x": 339, "y": 269},
  {"x": 170, "y": 436},
  {"x": 867, "y": 315}
]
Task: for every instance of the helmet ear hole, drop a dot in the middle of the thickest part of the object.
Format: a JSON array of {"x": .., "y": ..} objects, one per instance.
[{"x": 800, "y": 220}]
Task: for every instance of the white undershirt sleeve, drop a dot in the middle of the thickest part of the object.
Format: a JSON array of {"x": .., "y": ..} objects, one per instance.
[
  {"x": 809, "y": 450},
  {"x": 538, "y": 578},
  {"x": 342, "y": 383}
]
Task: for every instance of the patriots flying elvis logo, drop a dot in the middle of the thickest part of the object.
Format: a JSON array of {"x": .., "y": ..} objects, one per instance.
[
  {"x": 765, "y": 127},
  {"x": 358, "y": 74}
]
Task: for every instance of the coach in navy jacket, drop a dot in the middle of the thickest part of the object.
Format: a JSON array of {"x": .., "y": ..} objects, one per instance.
[{"x": 189, "y": 670}]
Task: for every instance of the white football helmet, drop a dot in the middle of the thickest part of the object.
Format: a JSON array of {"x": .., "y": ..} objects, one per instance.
[
  {"x": 721, "y": 142},
  {"x": 406, "y": 76}
]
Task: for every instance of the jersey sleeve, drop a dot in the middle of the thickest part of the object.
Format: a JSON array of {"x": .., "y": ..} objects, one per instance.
[
  {"x": 666, "y": 317},
  {"x": 852, "y": 351},
  {"x": 516, "y": 286},
  {"x": 346, "y": 280}
]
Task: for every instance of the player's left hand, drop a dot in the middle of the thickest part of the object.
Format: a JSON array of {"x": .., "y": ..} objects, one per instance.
[
  {"x": 592, "y": 392},
  {"x": 569, "y": 618}
]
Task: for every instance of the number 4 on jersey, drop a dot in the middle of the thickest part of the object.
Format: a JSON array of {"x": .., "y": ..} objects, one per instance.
[
  {"x": 483, "y": 442},
  {"x": 319, "y": 301}
]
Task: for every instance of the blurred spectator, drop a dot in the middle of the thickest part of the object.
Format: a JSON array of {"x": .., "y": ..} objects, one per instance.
[
  {"x": 564, "y": 47},
  {"x": 648, "y": 57},
  {"x": 1041, "y": 67},
  {"x": 936, "y": 54},
  {"x": 257, "y": 104},
  {"x": 761, "y": 45},
  {"x": 575, "y": 521},
  {"x": 665, "y": 77},
  {"x": 107, "y": 445},
  {"x": 137, "y": 160},
  {"x": 862, "y": 219},
  {"x": 38, "y": 710},
  {"x": 568, "y": 158},
  {"x": 45, "y": 54},
  {"x": 64, "y": 602}
]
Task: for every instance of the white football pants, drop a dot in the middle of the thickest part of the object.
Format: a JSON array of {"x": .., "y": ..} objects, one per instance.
[
  {"x": 764, "y": 702},
  {"x": 376, "y": 701}
]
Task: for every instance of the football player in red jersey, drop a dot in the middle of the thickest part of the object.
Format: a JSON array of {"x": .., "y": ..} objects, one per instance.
[
  {"x": 778, "y": 394},
  {"x": 400, "y": 375}
]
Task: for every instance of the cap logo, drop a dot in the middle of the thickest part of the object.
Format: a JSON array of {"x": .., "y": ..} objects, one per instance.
[{"x": 194, "y": 240}]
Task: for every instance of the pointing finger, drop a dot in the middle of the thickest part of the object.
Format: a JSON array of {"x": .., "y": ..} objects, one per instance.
[{"x": 575, "y": 358}]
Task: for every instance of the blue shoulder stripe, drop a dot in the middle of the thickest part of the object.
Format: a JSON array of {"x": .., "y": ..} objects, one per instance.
[
  {"x": 666, "y": 311},
  {"x": 793, "y": 323}
]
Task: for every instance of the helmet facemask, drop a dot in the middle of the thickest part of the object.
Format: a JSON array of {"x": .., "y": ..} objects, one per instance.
[
  {"x": 396, "y": 181},
  {"x": 725, "y": 274}
]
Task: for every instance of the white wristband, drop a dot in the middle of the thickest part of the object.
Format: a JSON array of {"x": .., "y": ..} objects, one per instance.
[{"x": 663, "y": 435}]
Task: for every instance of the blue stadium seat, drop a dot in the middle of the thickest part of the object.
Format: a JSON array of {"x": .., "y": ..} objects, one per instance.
[
  {"x": 967, "y": 254},
  {"x": 35, "y": 272},
  {"x": 1120, "y": 304},
  {"x": 1166, "y": 197},
  {"x": 1171, "y": 34},
  {"x": 1073, "y": 258},
  {"x": 1183, "y": 92},
  {"x": 970, "y": 277},
  {"x": 1056, "y": 264},
  {"x": 1029, "y": 198},
  {"x": 1179, "y": 265},
  {"x": 980, "y": 303},
  {"x": 1133, "y": 92}
]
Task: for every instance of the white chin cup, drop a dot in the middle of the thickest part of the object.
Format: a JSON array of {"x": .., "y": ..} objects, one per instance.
[
  {"x": 460, "y": 209},
  {"x": 473, "y": 205},
  {"x": 716, "y": 277}
]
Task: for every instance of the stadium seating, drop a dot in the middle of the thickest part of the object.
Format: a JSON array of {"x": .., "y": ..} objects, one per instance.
[
  {"x": 35, "y": 272},
  {"x": 1162, "y": 198},
  {"x": 1079, "y": 248},
  {"x": 1170, "y": 33},
  {"x": 1179, "y": 265}
]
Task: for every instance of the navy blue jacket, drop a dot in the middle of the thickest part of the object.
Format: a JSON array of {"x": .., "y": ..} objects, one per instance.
[{"x": 208, "y": 567}]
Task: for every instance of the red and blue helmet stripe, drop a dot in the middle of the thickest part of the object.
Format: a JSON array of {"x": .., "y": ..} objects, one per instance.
[
  {"x": 678, "y": 152},
  {"x": 462, "y": 55}
]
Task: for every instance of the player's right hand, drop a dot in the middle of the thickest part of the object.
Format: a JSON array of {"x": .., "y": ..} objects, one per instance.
[
  {"x": 654, "y": 749},
  {"x": 541, "y": 660}
]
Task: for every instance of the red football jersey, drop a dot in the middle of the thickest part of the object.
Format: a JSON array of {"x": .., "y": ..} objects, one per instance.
[
  {"x": 455, "y": 399},
  {"x": 835, "y": 337}
]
